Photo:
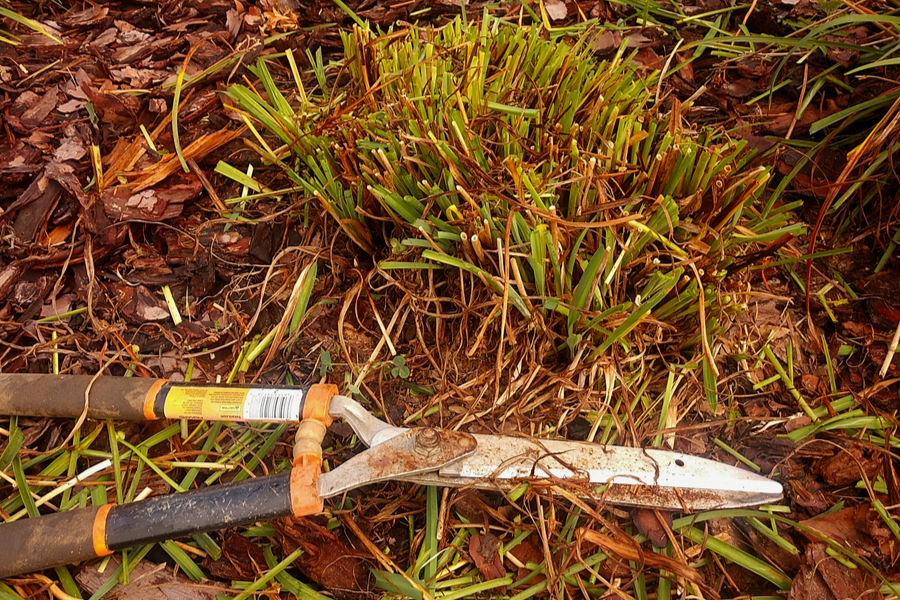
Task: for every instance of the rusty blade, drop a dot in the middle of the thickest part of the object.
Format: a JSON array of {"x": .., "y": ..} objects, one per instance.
[
  {"x": 626, "y": 476},
  {"x": 409, "y": 453},
  {"x": 619, "y": 475}
]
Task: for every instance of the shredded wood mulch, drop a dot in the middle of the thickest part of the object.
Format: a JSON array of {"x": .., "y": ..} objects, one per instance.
[{"x": 100, "y": 223}]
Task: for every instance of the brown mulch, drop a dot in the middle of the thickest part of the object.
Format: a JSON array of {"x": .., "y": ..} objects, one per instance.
[{"x": 97, "y": 212}]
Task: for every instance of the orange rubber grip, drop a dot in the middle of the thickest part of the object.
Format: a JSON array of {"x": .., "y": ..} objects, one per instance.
[
  {"x": 318, "y": 398},
  {"x": 305, "y": 499},
  {"x": 99, "y": 532}
]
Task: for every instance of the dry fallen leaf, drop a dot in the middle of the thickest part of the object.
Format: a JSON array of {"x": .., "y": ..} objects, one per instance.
[
  {"x": 485, "y": 552},
  {"x": 848, "y": 466},
  {"x": 821, "y": 577},
  {"x": 528, "y": 552},
  {"x": 326, "y": 559},
  {"x": 241, "y": 559},
  {"x": 649, "y": 524},
  {"x": 851, "y": 527}
]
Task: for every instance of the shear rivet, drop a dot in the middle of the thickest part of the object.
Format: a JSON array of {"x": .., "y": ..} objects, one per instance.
[
  {"x": 426, "y": 440},
  {"x": 467, "y": 443}
]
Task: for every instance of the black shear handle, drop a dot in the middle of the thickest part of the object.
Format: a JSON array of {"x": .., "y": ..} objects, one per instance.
[{"x": 29, "y": 545}]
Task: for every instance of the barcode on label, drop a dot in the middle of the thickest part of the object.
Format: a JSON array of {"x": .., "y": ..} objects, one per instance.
[{"x": 273, "y": 405}]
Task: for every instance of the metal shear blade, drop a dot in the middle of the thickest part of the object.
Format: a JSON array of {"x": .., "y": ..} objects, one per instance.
[
  {"x": 616, "y": 474},
  {"x": 407, "y": 454}
]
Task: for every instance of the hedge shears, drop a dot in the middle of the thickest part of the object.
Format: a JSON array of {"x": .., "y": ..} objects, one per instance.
[{"x": 638, "y": 477}]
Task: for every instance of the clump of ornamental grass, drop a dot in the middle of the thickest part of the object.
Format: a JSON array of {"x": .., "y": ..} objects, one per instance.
[{"x": 550, "y": 176}]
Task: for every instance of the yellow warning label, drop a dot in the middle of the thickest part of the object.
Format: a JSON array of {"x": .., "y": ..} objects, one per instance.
[{"x": 213, "y": 403}]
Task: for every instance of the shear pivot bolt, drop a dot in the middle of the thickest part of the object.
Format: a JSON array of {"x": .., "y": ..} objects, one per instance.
[{"x": 427, "y": 441}]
